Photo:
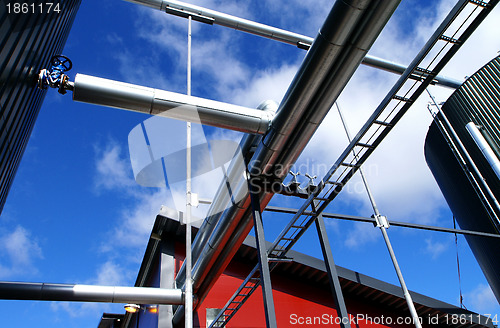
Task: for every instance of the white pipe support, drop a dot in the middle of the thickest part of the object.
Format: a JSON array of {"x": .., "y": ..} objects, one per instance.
[{"x": 99, "y": 91}]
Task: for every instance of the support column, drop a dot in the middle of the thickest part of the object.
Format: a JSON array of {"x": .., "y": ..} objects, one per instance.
[
  {"x": 167, "y": 280},
  {"x": 265, "y": 274},
  {"x": 331, "y": 269}
]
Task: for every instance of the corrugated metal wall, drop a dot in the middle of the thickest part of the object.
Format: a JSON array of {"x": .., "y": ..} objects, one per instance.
[
  {"x": 27, "y": 42},
  {"x": 477, "y": 101}
]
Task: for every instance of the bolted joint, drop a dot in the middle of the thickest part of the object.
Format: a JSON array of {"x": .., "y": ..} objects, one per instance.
[{"x": 381, "y": 221}]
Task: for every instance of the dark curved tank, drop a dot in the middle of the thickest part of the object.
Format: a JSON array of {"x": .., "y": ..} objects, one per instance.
[
  {"x": 30, "y": 34},
  {"x": 476, "y": 101}
]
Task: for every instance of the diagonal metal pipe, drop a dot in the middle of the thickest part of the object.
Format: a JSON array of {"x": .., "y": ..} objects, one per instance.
[
  {"x": 89, "y": 293},
  {"x": 346, "y": 36}
]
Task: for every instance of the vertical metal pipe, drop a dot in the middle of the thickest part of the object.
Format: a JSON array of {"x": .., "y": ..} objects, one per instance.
[
  {"x": 406, "y": 293},
  {"x": 486, "y": 150},
  {"x": 189, "y": 285},
  {"x": 486, "y": 196}
]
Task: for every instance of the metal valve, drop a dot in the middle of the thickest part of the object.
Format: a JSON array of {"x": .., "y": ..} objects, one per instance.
[
  {"x": 311, "y": 185},
  {"x": 294, "y": 183},
  {"x": 54, "y": 77}
]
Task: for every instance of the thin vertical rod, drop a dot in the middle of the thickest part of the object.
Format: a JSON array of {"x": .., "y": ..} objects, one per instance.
[
  {"x": 189, "y": 285},
  {"x": 265, "y": 274},
  {"x": 338, "y": 297},
  {"x": 406, "y": 293}
]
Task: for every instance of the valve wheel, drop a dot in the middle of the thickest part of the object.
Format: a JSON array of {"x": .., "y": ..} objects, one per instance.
[{"x": 62, "y": 61}]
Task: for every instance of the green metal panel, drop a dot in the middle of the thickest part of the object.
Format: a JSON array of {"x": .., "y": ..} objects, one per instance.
[{"x": 477, "y": 101}]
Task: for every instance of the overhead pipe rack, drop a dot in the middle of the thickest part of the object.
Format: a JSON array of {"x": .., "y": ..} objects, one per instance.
[
  {"x": 348, "y": 32},
  {"x": 209, "y": 16}
]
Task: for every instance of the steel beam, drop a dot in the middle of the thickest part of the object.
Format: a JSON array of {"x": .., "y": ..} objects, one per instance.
[
  {"x": 277, "y": 209},
  {"x": 265, "y": 274},
  {"x": 331, "y": 269}
]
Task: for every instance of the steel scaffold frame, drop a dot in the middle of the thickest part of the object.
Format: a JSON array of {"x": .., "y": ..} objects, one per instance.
[{"x": 361, "y": 147}]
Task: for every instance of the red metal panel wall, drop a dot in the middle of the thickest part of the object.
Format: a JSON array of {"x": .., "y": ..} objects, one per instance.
[{"x": 297, "y": 303}]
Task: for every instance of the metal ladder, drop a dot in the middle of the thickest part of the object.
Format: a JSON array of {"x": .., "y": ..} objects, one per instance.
[{"x": 392, "y": 108}]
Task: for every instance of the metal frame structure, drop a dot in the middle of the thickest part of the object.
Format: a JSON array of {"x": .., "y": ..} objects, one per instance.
[
  {"x": 379, "y": 124},
  {"x": 276, "y": 140}
]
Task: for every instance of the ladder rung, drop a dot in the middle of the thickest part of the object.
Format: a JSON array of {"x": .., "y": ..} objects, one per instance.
[
  {"x": 321, "y": 198},
  {"x": 448, "y": 39},
  {"x": 408, "y": 100},
  {"x": 479, "y": 3},
  {"x": 349, "y": 165},
  {"x": 423, "y": 70},
  {"x": 297, "y": 227},
  {"x": 382, "y": 123},
  {"x": 335, "y": 183},
  {"x": 364, "y": 146}
]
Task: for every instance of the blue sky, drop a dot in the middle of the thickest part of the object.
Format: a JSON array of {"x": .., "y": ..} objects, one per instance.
[{"x": 76, "y": 215}]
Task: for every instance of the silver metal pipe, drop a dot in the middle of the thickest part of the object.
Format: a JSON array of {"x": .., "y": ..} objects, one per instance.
[
  {"x": 328, "y": 66},
  {"x": 89, "y": 293},
  {"x": 485, "y": 148},
  {"x": 155, "y": 4},
  {"x": 183, "y": 9},
  {"x": 383, "y": 225},
  {"x": 188, "y": 285},
  {"x": 99, "y": 91}
]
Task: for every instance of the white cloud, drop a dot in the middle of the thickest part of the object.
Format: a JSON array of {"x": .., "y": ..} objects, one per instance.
[
  {"x": 482, "y": 300},
  {"x": 361, "y": 234},
  {"x": 20, "y": 251},
  {"x": 435, "y": 248},
  {"x": 266, "y": 84},
  {"x": 136, "y": 222},
  {"x": 113, "y": 170}
]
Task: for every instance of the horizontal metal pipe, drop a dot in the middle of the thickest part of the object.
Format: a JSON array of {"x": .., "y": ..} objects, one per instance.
[
  {"x": 277, "y": 209},
  {"x": 89, "y": 293},
  {"x": 184, "y": 9},
  {"x": 99, "y": 91}
]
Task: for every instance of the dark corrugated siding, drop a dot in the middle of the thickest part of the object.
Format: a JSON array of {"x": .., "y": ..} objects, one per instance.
[
  {"x": 27, "y": 42},
  {"x": 478, "y": 101}
]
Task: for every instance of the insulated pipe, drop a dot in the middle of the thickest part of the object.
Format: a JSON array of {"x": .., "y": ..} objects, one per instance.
[
  {"x": 95, "y": 90},
  {"x": 303, "y": 88},
  {"x": 88, "y": 293},
  {"x": 183, "y": 9},
  {"x": 346, "y": 36}
]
